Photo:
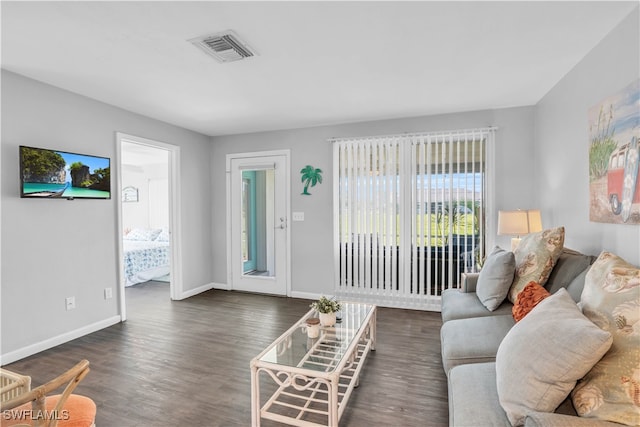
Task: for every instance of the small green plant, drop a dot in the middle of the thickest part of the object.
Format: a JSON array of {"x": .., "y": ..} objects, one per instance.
[{"x": 325, "y": 305}]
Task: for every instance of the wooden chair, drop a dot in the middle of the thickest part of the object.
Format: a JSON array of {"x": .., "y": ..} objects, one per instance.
[
  {"x": 12, "y": 385},
  {"x": 37, "y": 408}
]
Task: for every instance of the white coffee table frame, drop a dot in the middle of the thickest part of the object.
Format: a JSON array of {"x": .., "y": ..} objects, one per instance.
[{"x": 328, "y": 389}]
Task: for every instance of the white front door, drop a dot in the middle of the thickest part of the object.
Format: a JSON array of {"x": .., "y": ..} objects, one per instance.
[{"x": 259, "y": 222}]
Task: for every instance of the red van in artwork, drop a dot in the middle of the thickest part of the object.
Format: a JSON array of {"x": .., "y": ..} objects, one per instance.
[{"x": 623, "y": 179}]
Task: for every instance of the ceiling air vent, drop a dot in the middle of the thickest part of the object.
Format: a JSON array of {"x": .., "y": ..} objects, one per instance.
[{"x": 224, "y": 47}]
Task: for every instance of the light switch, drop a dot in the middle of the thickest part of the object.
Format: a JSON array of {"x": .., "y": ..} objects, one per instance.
[{"x": 298, "y": 216}]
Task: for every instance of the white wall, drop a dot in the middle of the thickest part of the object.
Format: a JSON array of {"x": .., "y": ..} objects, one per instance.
[
  {"x": 52, "y": 249},
  {"x": 135, "y": 214},
  {"x": 146, "y": 212},
  {"x": 562, "y": 142},
  {"x": 312, "y": 240},
  {"x": 158, "y": 202}
]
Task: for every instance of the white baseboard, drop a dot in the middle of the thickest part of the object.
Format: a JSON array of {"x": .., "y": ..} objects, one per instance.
[
  {"x": 32, "y": 349},
  {"x": 222, "y": 286},
  {"x": 196, "y": 291},
  {"x": 226, "y": 287},
  {"x": 307, "y": 295}
]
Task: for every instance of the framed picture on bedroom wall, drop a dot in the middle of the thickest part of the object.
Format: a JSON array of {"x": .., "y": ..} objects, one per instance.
[
  {"x": 614, "y": 154},
  {"x": 129, "y": 194}
]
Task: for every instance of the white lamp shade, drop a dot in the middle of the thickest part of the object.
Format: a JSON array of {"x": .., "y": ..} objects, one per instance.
[
  {"x": 535, "y": 220},
  {"x": 514, "y": 223}
]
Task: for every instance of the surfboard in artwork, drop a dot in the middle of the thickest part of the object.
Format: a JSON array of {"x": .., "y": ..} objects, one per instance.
[{"x": 630, "y": 187}]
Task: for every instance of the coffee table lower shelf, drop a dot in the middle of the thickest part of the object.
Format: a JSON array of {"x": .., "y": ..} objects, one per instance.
[{"x": 310, "y": 397}]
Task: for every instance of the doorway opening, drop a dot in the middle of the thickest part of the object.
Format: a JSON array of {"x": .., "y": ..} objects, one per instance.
[{"x": 148, "y": 224}]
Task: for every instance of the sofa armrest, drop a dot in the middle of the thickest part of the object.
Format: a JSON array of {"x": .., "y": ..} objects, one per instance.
[
  {"x": 468, "y": 282},
  {"x": 544, "y": 419}
]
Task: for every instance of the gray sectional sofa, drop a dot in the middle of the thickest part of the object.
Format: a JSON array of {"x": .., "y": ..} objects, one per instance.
[{"x": 470, "y": 337}]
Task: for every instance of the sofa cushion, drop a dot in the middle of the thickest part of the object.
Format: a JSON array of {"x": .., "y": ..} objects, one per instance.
[
  {"x": 473, "y": 397},
  {"x": 611, "y": 299},
  {"x": 569, "y": 265},
  {"x": 576, "y": 286},
  {"x": 495, "y": 278},
  {"x": 464, "y": 305},
  {"x": 531, "y": 295},
  {"x": 535, "y": 256},
  {"x": 475, "y": 340},
  {"x": 543, "y": 356}
]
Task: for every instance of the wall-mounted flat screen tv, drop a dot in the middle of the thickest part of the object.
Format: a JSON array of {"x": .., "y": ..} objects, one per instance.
[{"x": 48, "y": 173}]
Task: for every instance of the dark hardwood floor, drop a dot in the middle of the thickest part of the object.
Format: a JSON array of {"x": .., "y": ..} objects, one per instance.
[{"x": 186, "y": 363}]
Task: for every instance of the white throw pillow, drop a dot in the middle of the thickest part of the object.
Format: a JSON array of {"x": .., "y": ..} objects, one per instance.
[
  {"x": 142, "y": 234},
  {"x": 495, "y": 278},
  {"x": 543, "y": 355}
]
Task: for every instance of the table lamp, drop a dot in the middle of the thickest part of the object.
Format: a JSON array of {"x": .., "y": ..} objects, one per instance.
[{"x": 518, "y": 223}]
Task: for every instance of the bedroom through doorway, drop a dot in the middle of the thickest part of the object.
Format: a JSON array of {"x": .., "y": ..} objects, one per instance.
[{"x": 146, "y": 233}]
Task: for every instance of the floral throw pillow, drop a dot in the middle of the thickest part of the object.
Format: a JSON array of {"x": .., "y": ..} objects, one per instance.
[
  {"x": 535, "y": 256},
  {"x": 530, "y": 296},
  {"x": 611, "y": 300}
]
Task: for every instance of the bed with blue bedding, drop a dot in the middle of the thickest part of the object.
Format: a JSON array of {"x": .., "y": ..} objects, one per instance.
[{"x": 146, "y": 256}]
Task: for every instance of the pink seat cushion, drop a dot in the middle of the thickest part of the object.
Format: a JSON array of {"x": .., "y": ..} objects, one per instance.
[{"x": 78, "y": 411}]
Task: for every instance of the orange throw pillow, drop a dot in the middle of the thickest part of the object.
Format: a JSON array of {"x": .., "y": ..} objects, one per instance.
[{"x": 528, "y": 298}]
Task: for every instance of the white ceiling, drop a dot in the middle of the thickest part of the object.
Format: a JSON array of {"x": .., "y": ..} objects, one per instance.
[{"x": 319, "y": 63}]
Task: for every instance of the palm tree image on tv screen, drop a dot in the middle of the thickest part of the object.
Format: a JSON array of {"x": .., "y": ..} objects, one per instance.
[{"x": 58, "y": 174}]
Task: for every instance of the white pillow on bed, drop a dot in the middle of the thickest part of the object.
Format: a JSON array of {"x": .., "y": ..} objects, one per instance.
[
  {"x": 142, "y": 234},
  {"x": 163, "y": 236}
]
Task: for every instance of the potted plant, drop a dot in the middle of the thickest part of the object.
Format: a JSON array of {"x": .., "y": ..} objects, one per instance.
[{"x": 327, "y": 310}]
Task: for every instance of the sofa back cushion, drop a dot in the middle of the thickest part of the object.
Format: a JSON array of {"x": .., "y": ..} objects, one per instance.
[
  {"x": 569, "y": 265},
  {"x": 576, "y": 286}
]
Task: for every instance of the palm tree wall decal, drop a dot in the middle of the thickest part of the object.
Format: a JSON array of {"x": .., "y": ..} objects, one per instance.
[{"x": 310, "y": 177}]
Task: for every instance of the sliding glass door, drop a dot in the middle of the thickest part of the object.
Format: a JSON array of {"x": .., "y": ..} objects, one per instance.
[{"x": 410, "y": 214}]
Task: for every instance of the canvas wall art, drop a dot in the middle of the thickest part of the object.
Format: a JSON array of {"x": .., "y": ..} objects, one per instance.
[{"x": 614, "y": 152}]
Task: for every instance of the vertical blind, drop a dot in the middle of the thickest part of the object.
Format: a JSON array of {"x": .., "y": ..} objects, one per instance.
[{"x": 409, "y": 214}]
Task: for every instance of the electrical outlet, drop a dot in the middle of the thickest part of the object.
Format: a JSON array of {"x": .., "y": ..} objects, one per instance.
[
  {"x": 70, "y": 303},
  {"x": 108, "y": 293}
]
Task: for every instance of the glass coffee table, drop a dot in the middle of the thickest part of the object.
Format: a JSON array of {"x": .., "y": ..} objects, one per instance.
[{"x": 313, "y": 378}]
